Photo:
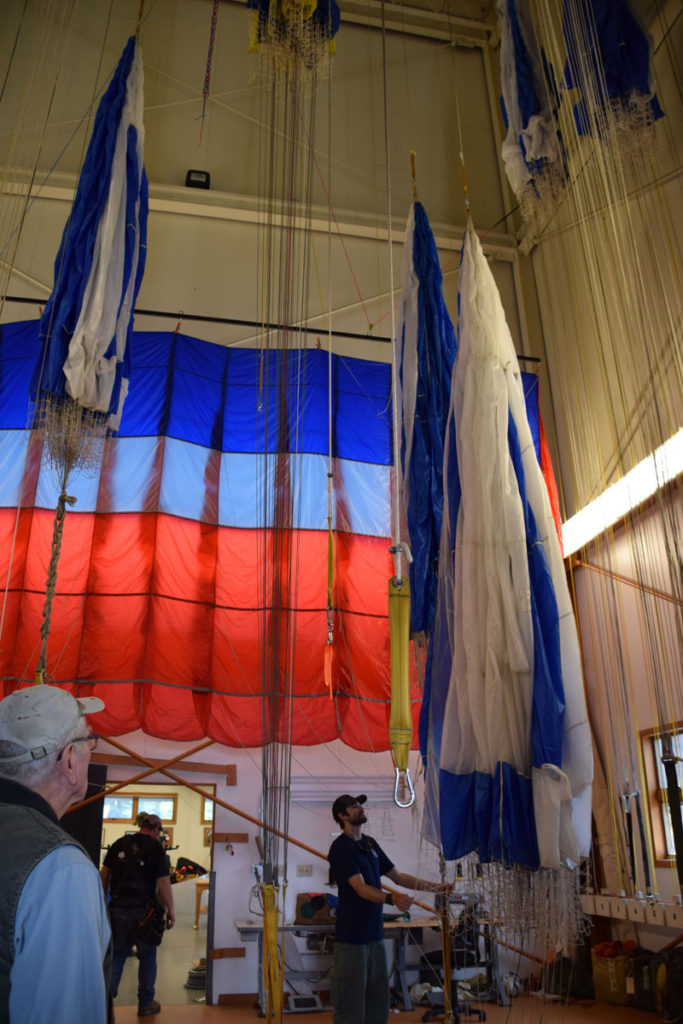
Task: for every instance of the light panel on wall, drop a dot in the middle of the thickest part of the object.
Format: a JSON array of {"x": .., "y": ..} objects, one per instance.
[
  {"x": 324, "y": 789},
  {"x": 639, "y": 484}
]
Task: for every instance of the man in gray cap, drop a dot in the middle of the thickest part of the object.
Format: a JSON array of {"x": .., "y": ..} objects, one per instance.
[
  {"x": 359, "y": 987},
  {"x": 54, "y": 930}
]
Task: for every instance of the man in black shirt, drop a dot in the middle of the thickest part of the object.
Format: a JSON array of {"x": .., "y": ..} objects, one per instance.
[
  {"x": 360, "y": 981},
  {"x": 133, "y": 868}
]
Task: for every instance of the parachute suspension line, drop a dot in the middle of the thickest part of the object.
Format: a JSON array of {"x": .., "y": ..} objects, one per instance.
[
  {"x": 397, "y": 549},
  {"x": 445, "y": 925},
  {"x": 400, "y": 722},
  {"x": 616, "y": 324},
  {"x": 329, "y": 646},
  {"x": 288, "y": 97},
  {"x": 461, "y": 151},
  {"x": 141, "y": 9}
]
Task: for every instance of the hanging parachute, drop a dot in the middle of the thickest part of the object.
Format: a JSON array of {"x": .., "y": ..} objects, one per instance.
[
  {"x": 80, "y": 378},
  {"x": 159, "y": 587},
  {"x": 86, "y": 323},
  {"x": 295, "y": 32},
  {"x": 532, "y": 151},
  {"x": 608, "y": 60},
  {"x": 504, "y": 730},
  {"x": 427, "y": 348}
]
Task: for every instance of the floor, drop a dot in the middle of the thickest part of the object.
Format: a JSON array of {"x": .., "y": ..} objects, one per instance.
[
  {"x": 524, "y": 1010},
  {"x": 182, "y": 945}
]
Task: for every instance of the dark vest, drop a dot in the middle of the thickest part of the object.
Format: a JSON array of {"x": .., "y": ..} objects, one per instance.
[{"x": 29, "y": 830}]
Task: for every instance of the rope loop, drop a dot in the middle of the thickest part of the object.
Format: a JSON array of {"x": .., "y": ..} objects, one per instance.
[{"x": 403, "y": 776}]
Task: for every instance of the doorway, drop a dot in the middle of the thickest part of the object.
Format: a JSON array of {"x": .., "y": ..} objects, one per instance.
[{"x": 187, "y": 818}]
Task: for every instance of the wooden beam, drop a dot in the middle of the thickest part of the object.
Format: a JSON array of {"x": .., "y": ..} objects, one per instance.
[
  {"x": 228, "y": 952},
  {"x": 204, "y": 767}
]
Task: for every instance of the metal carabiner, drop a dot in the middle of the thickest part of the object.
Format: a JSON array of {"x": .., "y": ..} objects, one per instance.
[{"x": 408, "y": 782}]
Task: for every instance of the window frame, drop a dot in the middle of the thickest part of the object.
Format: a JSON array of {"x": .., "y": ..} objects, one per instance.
[
  {"x": 135, "y": 798},
  {"x": 211, "y": 800},
  {"x": 657, "y": 796}
]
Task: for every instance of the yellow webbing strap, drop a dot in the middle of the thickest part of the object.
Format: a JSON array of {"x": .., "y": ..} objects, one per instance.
[
  {"x": 330, "y": 564},
  {"x": 400, "y": 721},
  {"x": 329, "y": 647},
  {"x": 254, "y": 46},
  {"x": 292, "y": 9},
  {"x": 272, "y": 974}
]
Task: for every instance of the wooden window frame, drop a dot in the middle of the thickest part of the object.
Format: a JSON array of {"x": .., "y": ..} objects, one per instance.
[
  {"x": 656, "y": 796},
  {"x": 204, "y": 819},
  {"x": 135, "y": 797}
]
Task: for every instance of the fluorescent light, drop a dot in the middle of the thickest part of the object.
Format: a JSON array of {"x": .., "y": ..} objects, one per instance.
[
  {"x": 307, "y": 789},
  {"x": 639, "y": 484}
]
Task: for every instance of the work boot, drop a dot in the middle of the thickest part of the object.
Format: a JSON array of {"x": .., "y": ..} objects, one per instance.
[{"x": 147, "y": 1011}]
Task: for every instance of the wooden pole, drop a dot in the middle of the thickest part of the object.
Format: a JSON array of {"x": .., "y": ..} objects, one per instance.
[{"x": 140, "y": 775}]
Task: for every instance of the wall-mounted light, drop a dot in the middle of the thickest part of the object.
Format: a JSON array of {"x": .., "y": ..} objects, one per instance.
[{"x": 639, "y": 484}]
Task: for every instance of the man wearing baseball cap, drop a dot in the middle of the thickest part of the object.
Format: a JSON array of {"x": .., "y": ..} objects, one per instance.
[
  {"x": 54, "y": 929},
  {"x": 134, "y": 868},
  {"x": 360, "y": 980}
]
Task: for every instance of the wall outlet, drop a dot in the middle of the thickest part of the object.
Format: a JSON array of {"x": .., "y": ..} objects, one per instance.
[{"x": 304, "y": 870}]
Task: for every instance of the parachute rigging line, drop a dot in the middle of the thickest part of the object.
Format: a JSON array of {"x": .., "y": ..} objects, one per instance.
[{"x": 400, "y": 726}]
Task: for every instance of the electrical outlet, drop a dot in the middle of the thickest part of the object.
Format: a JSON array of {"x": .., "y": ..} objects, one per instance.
[{"x": 304, "y": 870}]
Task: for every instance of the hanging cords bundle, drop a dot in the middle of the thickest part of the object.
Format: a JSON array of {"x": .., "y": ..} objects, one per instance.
[
  {"x": 288, "y": 100},
  {"x": 608, "y": 268},
  {"x": 400, "y": 722}
]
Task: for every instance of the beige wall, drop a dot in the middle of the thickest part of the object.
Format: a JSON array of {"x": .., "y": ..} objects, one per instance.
[{"x": 188, "y": 830}]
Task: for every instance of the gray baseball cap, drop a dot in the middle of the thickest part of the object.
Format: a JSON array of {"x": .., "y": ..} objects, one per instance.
[{"x": 40, "y": 718}]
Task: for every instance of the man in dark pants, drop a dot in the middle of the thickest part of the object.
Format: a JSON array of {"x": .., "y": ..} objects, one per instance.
[
  {"x": 360, "y": 980},
  {"x": 133, "y": 868}
]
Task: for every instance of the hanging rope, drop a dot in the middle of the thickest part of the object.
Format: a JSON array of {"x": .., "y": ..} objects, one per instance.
[
  {"x": 51, "y": 584},
  {"x": 207, "y": 74}
]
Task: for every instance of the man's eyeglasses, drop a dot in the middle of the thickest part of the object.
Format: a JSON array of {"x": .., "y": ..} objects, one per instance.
[{"x": 91, "y": 738}]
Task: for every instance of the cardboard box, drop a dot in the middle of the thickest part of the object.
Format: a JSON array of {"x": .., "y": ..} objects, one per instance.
[
  {"x": 315, "y": 908},
  {"x": 609, "y": 978}
]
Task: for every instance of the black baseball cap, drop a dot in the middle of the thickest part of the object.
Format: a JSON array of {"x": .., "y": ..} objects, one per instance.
[
  {"x": 344, "y": 801},
  {"x": 150, "y": 821}
]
